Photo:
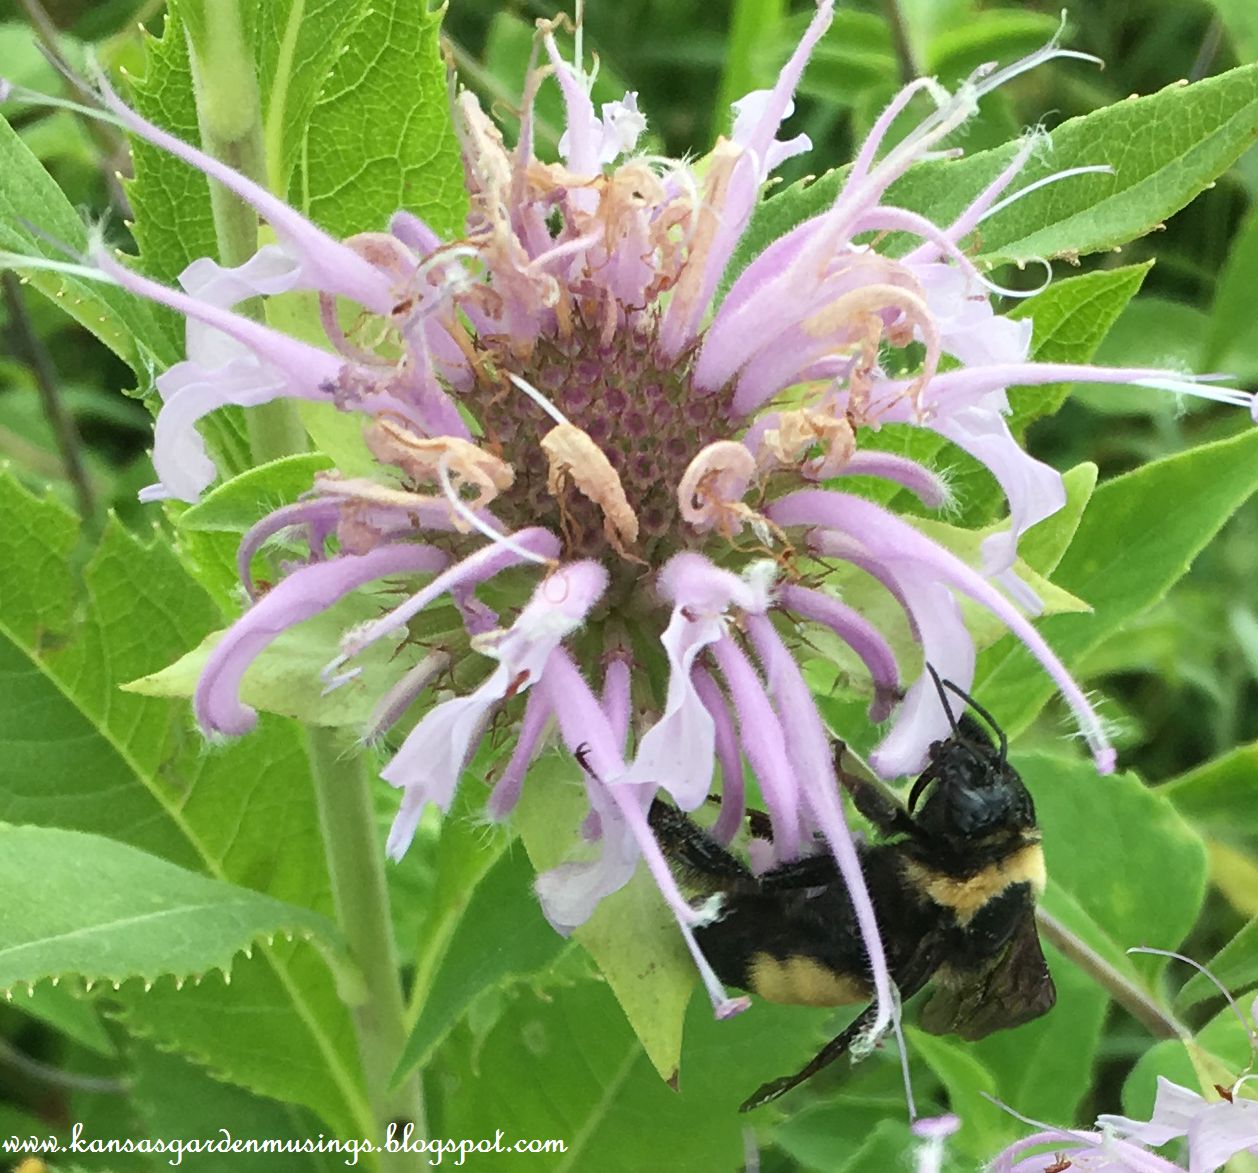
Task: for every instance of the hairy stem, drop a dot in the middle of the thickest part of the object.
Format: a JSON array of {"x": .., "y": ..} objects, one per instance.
[
  {"x": 229, "y": 113},
  {"x": 355, "y": 865},
  {"x": 901, "y": 42},
  {"x": 1136, "y": 1001},
  {"x": 109, "y": 141}
]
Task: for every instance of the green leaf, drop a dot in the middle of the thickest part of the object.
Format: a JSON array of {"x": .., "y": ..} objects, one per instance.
[
  {"x": 501, "y": 936},
  {"x": 1002, "y": 34},
  {"x": 449, "y": 873},
  {"x": 355, "y": 121},
  {"x": 74, "y": 1016},
  {"x": 297, "y": 45},
  {"x": 631, "y": 936},
  {"x": 1124, "y": 868},
  {"x": 1234, "y": 967},
  {"x": 236, "y": 504},
  {"x": 25, "y": 65},
  {"x": 1219, "y": 797},
  {"x": 1071, "y": 318},
  {"x": 1164, "y": 149},
  {"x": 1139, "y": 534},
  {"x": 1235, "y": 874},
  {"x": 1217, "y": 1054},
  {"x": 174, "y": 1098},
  {"x": 820, "y": 1135},
  {"x": 82, "y": 756},
  {"x": 886, "y": 1147},
  {"x": 1157, "y": 332},
  {"x": 30, "y": 196},
  {"x": 285, "y": 677},
  {"x": 984, "y": 1127},
  {"x": 566, "y": 1065},
  {"x": 380, "y": 136},
  {"x": 1241, "y": 21},
  {"x": 116, "y": 913},
  {"x": 1229, "y": 341},
  {"x": 170, "y": 201}
]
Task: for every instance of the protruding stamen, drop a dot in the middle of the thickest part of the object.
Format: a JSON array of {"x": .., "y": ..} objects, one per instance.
[{"x": 537, "y": 397}]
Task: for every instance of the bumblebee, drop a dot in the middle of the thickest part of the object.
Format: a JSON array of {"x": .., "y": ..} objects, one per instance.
[{"x": 954, "y": 882}]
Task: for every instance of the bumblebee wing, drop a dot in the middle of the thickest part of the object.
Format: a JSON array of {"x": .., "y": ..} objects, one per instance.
[{"x": 1014, "y": 989}]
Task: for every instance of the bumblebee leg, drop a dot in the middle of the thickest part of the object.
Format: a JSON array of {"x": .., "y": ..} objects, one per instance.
[
  {"x": 691, "y": 848},
  {"x": 880, "y": 809},
  {"x": 760, "y": 825},
  {"x": 813, "y": 871},
  {"x": 827, "y": 1055}
]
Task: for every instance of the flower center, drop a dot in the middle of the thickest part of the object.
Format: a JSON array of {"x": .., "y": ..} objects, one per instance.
[{"x": 638, "y": 408}]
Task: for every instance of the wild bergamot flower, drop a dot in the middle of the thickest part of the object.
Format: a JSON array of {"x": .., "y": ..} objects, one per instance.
[{"x": 562, "y": 390}]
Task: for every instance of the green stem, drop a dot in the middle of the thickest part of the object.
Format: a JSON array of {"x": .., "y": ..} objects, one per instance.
[
  {"x": 229, "y": 113},
  {"x": 355, "y": 866},
  {"x": 1130, "y": 996},
  {"x": 65, "y": 431},
  {"x": 910, "y": 68}
]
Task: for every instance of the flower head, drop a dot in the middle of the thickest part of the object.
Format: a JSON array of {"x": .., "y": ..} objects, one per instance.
[{"x": 559, "y": 396}]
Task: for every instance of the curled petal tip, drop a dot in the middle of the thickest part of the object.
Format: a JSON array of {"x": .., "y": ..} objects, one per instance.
[
  {"x": 732, "y": 1007},
  {"x": 1106, "y": 759}
]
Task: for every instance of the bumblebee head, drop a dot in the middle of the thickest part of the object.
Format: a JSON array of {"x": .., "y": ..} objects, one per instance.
[{"x": 968, "y": 791}]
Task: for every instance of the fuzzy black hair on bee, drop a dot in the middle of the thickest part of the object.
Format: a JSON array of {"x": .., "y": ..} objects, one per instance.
[{"x": 954, "y": 881}]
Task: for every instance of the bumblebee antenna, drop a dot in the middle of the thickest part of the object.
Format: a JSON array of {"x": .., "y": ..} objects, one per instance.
[
  {"x": 943, "y": 687},
  {"x": 943, "y": 698},
  {"x": 982, "y": 712}
]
